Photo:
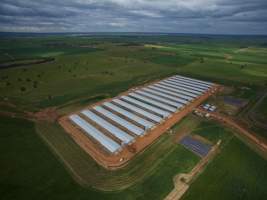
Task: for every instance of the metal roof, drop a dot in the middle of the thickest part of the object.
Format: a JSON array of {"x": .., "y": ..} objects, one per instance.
[
  {"x": 180, "y": 88},
  {"x": 170, "y": 97},
  {"x": 176, "y": 94},
  {"x": 131, "y": 127},
  {"x": 156, "y": 110},
  {"x": 170, "y": 105},
  {"x": 182, "y": 84},
  {"x": 147, "y": 124},
  {"x": 192, "y": 79},
  {"x": 192, "y": 84},
  {"x": 118, "y": 133},
  {"x": 179, "y": 91},
  {"x": 105, "y": 141},
  {"x": 140, "y": 111}
]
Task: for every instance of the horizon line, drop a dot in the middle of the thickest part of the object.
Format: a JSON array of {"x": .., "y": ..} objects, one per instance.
[{"x": 132, "y": 32}]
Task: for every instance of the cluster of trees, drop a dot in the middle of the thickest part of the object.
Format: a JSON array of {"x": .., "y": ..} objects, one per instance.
[{"x": 22, "y": 88}]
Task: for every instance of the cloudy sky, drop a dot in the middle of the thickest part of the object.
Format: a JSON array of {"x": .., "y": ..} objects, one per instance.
[{"x": 179, "y": 16}]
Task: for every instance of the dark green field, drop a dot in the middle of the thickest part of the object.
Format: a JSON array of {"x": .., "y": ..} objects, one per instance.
[{"x": 81, "y": 70}]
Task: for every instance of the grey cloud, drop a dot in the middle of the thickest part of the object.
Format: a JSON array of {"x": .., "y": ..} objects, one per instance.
[{"x": 203, "y": 16}]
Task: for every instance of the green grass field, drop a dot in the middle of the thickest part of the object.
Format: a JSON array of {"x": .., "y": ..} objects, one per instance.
[
  {"x": 30, "y": 168},
  {"x": 213, "y": 131},
  {"x": 236, "y": 173},
  {"x": 85, "y": 67}
]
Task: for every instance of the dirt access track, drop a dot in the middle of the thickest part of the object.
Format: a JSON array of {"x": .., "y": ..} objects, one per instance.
[
  {"x": 116, "y": 161},
  {"x": 260, "y": 142},
  {"x": 182, "y": 181}
]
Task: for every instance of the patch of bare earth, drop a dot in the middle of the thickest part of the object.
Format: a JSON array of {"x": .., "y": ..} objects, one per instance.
[{"x": 48, "y": 114}]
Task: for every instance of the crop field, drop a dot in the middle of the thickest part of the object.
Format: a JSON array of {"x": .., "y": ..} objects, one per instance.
[{"x": 45, "y": 78}]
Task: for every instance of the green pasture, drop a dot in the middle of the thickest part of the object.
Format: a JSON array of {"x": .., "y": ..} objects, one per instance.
[
  {"x": 30, "y": 168},
  {"x": 223, "y": 64},
  {"x": 76, "y": 76},
  {"x": 213, "y": 131},
  {"x": 86, "y": 67},
  {"x": 236, "y": 173}
]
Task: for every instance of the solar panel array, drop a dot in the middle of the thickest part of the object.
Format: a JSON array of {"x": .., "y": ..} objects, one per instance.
[
  {"x": 120, "y": 121},
  {"x": 196, "y": 146}
]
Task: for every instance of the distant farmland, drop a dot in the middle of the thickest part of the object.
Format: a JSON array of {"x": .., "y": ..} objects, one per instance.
[{"x": 38, "y": 157}]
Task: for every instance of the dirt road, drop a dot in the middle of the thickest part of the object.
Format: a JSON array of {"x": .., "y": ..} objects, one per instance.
[
  {"x": 183, "y": 181},
  {"x": 261, "y": 143}
]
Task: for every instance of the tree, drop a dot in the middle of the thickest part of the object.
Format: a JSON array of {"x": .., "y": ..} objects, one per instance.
[
  {"x": 22, "y": 89},
  {"x": 242, "y": 66}
]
